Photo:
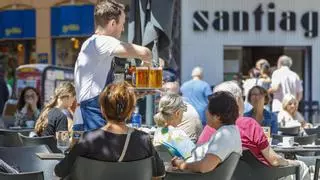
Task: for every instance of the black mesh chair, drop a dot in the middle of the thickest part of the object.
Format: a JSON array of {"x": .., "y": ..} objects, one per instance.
[
  {"x": 24, "y": 159},
  {"x": 7, "y": 121},
  {"x": 22, "y": 176},
  {"x": 311, "y": 131},
  {"x": 290, "y": 131},
  {"x": 84, "y": 169},
  {"x": 276, "y": 138},
  {"x": 305, "y": 140},
  {"x": 50, "y": 141},
  {"x": 316, "y": 171},
  {"x": 10, "y": 138},
  {"x": 250, "y": 168},
  {"x": 224, "y": 171}
]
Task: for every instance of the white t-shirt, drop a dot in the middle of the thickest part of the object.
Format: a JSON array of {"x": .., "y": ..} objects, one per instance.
[
  {"x": 288, "y": 82},
  {"x": 222, "y": 143},
  {"x": 92, "y": 67}
]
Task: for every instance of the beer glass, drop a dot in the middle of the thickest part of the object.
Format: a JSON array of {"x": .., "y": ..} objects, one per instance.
[
  {"x": 142, "y": 77},
  {"x": 63, "y": 141},
  {"x": 155, "y": 77}
]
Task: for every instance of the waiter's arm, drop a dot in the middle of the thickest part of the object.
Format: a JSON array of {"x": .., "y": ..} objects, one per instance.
[{"x": 127, "y": 50}]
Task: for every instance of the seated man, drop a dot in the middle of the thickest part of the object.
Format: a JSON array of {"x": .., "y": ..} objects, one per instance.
[
  {"x": 221, "y": 114},
  {"x": 253, "y": 137}
]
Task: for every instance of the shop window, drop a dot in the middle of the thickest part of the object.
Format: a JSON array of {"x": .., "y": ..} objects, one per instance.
[{"x": 67, "y": 50}]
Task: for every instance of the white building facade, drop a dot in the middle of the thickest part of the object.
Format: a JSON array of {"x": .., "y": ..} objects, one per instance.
[{"x": 226, "y": 37}]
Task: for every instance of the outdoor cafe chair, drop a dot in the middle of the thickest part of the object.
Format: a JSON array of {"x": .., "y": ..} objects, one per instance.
[
  {"x": 84, "y": 169},
  {"x": 24, "y": 159},
  {"x": 22, "y": 176},
  {"x": 316, "y": 171},
  {"x": 50, "y": 141},
  {"x": 250, "y": 168},
  {"x": 224, "y": 171},
  {"x": 7, "y": 121},
  {"x": 10, "y": 138},
  {"x": 311, "y": 131},
  {"x": 163, "y": 153},
  {"x": 290, "y": 131},
  {"x": 305, "y": 140},
  {"x": 301, "y": 140}
]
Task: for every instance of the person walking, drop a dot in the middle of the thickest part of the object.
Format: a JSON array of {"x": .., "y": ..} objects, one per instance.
[
  {"x": 196, "y": 92},
  {"x": 284, "y": 81}
]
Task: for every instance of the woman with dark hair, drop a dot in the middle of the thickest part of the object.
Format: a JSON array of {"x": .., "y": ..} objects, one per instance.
[
  {"x": 117, "y": 103},
  {"x": 53, "y": 118},
  {"x": 258, "y": 97},
  {"x": 28, "y": 107},
  {"x": 221, "y": 114}
]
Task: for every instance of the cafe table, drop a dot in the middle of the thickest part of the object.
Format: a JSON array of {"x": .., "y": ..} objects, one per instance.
[{"x": 296, "y": 149}]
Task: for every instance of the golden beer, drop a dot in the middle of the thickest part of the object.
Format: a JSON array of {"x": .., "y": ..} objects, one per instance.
[
  {"x": 142, "y": 77},
  {"x": 155, "y": 77}
]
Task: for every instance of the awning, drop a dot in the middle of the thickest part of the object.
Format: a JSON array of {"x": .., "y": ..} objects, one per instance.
[
  {"x": 72, "y": 20},
  {"x": 17, "y": 24}
]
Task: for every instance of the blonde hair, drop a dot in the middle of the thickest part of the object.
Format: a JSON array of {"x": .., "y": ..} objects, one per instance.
[
  {"x": 168, "y": 105},
  {"x": 287, "y": 99},
  {"x": 62, "y": 91}
]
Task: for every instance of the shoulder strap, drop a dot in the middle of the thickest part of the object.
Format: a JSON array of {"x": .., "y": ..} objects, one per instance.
[{"x": 124, "y": 150}]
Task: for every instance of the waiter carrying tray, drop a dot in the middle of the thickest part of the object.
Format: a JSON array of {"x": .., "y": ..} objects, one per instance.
[{"x": 93, "y": 69}]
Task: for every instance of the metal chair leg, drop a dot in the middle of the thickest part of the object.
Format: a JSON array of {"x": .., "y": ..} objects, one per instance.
[{"x": 316, "y": 171}]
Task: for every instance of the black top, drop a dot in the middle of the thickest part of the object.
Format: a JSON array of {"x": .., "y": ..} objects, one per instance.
[
  {"x": 57, "y": 121},
  {"x": 106, "y": 146}
]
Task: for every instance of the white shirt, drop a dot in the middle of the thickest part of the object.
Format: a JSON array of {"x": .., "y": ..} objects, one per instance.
[
  {"x": 288, "y": 82},
  {"x": 222, "y": 143},
  {"x": 92, "y": 67}
]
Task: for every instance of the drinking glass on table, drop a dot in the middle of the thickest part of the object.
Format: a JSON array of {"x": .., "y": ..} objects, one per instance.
[{"x": 63, "y": 141}]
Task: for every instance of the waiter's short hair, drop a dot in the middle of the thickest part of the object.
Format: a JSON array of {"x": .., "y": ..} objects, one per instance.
[{"x": 107, "y": 10}]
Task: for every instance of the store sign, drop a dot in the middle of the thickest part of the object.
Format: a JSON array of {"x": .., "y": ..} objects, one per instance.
[
  {"x": 43, "y": 58},
  {"x": 70, "y": 27},
  {"x": 221, "y": 20},
  {"x": 18, "y": 24},
  {"x": 72, "y": 20},
  {"x": 13, "y": 31}
]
